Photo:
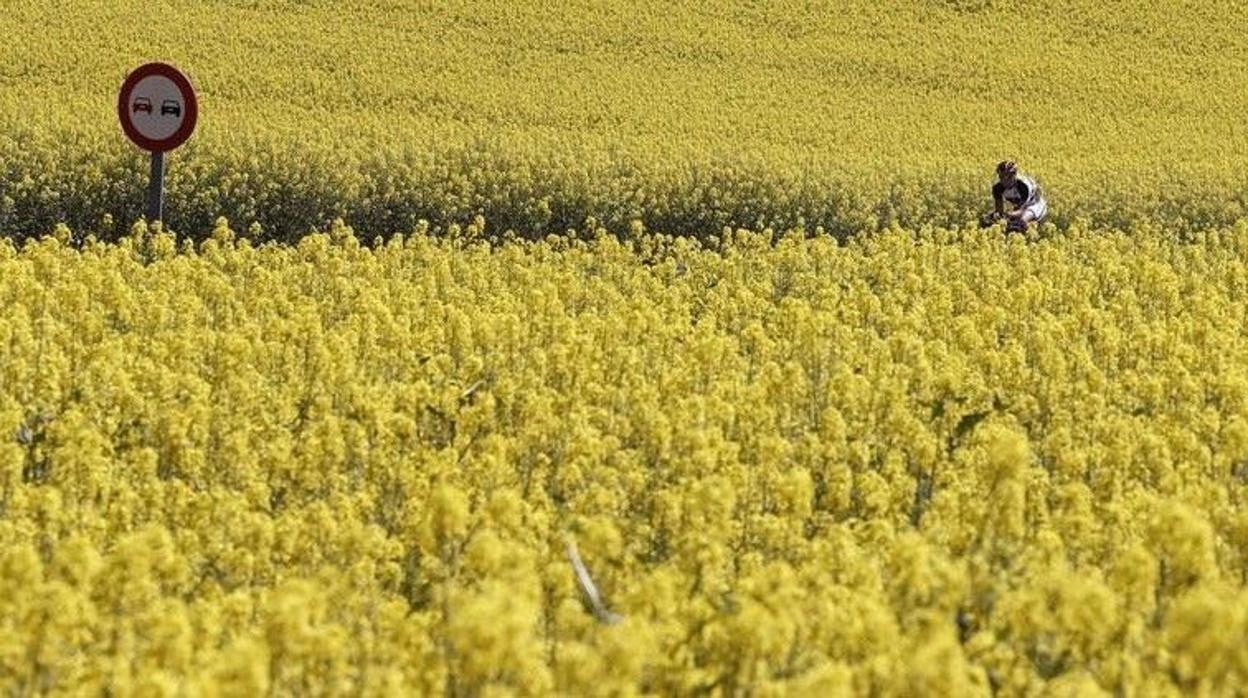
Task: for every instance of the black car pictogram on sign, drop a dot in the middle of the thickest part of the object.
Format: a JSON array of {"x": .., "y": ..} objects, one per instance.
[{"x": 170, "y": 106}]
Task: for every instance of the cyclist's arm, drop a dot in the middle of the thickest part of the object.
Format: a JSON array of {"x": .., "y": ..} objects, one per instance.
[{"x": 1024, "y": 197}]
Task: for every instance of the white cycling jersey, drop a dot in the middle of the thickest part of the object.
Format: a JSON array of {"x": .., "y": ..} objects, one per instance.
[{"x": 1023, "y": 192}]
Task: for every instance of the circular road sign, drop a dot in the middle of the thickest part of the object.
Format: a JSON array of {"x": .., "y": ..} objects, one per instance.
[{"x": 157, "y": 107}]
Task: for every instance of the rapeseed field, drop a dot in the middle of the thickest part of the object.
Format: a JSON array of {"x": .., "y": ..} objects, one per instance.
[
  {"x": 687, "y": 115},
  {"x": 933, "y": 464},
  {"x": 626, "y": 349}
]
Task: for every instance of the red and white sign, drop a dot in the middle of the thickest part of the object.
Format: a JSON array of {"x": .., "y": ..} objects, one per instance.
[{"x": 157, "y": 107}]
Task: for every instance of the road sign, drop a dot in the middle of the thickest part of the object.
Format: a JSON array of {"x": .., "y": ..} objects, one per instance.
[
  {"x": 158, "y": 111},
  {"x": 157, "y": 107}
]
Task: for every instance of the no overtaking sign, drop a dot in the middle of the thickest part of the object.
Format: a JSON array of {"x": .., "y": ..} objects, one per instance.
[{"x": 158, "y": 111}]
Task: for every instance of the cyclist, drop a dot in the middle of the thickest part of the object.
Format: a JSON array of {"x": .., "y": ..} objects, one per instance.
[{"x": 1022, "y": 193}]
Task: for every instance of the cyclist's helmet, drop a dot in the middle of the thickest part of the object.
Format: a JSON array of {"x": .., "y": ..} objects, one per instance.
[{"x": 1006, "y": 167}]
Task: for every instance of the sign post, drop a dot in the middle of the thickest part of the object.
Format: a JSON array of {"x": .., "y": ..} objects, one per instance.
[
  {"x": 158, "y": 110},
  {"x": 156, "y": 188}
]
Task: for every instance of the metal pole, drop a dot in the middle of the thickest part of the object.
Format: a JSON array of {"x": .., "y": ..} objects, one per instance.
[{"x": 156, "y": 188}]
